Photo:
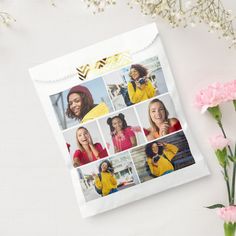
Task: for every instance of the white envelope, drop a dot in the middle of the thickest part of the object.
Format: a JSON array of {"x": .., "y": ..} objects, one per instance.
[{"x": 59, "y": 75}]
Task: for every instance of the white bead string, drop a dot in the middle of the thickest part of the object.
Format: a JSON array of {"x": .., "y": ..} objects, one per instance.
[{"x": 75, "y": 74}]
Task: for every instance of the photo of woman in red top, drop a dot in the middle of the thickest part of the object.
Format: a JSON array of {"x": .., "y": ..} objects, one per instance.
[
  {"x": 88, "y": 151},
  {"x": 123, "y": 137},
  {"x": 161, "y": 124}
]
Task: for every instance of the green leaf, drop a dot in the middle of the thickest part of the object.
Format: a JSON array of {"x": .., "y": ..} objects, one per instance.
[
  {"x": 215, "y": 112},
  {"x": 222, "y": 157},
  {"x": 215, "y": 206},
  {"x": 234, "y": 102}
]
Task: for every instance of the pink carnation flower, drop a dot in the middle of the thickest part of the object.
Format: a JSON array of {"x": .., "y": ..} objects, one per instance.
[
  {"x": 210, "y": 97},
  {"x": 230, "y": 90},
  {"x": 228, "y": 214},
  {"x": 218, "y": 142}
]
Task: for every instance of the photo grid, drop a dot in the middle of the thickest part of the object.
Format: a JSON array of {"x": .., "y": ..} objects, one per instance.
[{"x": 121, "y": 129}]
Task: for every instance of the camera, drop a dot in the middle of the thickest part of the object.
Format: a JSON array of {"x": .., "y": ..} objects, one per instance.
[
  {"x": 142, "y": 81},
  {"x": 110, "y": 169},
  {"x": 156, "y": 158}
]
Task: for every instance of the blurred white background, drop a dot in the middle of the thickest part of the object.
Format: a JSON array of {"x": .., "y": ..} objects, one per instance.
[{"x": 37, "y": 196}]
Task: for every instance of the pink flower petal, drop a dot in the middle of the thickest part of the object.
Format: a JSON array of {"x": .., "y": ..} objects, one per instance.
[
  {"x": 218, "y": 142},
  {"x": 228, "y": 214}
]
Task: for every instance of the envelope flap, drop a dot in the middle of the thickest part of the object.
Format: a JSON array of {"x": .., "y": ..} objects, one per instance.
[{"x": 133, "y": 41}]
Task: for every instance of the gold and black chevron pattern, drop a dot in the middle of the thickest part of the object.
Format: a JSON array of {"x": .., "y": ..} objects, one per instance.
[
  {"x": 101, "y": 63},
  {"x": 104, "y": 65},
  {"x": 118, "y": 60},
  {"x": 83, "y": 71}
]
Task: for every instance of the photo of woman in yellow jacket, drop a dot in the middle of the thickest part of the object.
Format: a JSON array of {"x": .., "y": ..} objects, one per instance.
[
  {"x": 140, "y": 87},
  {"x": 105, "y": 181},
  {"x": 159, "y": 156},
  {"x": 81, "y": 105}
]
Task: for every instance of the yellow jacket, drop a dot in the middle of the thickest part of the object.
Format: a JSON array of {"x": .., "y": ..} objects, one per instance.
[
  {"x": 141, "y": 94},
  {"x": 107, "y": 183},
  {"x": 163, "y": 165},
  {"x": 99, "y": 110}
]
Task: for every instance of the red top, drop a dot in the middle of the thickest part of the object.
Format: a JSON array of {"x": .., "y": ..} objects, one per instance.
[
  {"x": 122, "y": 141},
  {"x": 173, "y": 128},
  {"x": 83, "y": 156}
]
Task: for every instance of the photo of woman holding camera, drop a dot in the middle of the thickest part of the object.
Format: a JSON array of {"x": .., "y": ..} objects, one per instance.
[
  {"x": 159, "y": 156},
  {"x": 88, "y": 151},
  {"x": 161, "y": 124},
  {"x": 123, "y": 137},
  {"x": 140, "y": 87},
  {"x": 105, "y": 182}
]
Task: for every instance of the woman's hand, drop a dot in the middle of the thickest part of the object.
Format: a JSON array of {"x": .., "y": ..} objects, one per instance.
[
  {"x": 94, "y": 175},
  {"x": 116, "y": 149},
  {"x": 76, "y": 162},
  {"x": 141, "y": 85},
  {"x": 154, "y": 163},
  {"x": 138, "y": 84},
  {"x": 90, "y": 141},
  {"x": 164, "y": 128},
  {"x": 133, "y": 141},
  {"x": 94, "y": 149}
]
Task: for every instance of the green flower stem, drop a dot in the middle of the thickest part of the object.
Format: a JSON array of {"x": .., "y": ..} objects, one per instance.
[
  {"x": 233, "y": 184},
  {"x": 227, "y": 184},
  {"x": 229, "y": 229},
  {"x": 234, "y": 169},
  {"x": 234, "y": 166},
  {"x": 223, "y": 131},
  {"x": 234, "y": 102}
]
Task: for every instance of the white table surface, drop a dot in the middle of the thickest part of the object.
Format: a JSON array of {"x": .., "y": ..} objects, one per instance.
[{"x": 37, "y": 197}]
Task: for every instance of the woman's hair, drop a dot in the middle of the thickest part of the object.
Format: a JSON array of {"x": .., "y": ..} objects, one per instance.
[
  {"x": 122, "y": 118},
  {"x": 148, "y": 149},
  {"x": 78, "y": 143},
  {"x": 141, "y": 70},
  {"x": 109, "y": 166},
  {"x": 153, "y": 125}
]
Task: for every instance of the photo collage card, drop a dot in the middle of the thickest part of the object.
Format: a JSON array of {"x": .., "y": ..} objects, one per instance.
[
  {"x": 126, "y": 121},
  {"x": 118, "y": 121}
]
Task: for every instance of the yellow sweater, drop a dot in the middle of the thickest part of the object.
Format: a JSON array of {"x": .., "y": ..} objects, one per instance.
[
  {"x": 141, "y": 94},
  {"x": 107, "y": 183},
  {"x": 100, "y": 110},
  {"x": 163, "y": 165}
]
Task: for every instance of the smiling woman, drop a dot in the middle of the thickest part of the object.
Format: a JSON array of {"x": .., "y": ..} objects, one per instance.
[
  {"x": 81, "y": 105},
  {"x": 159, "y": 156},
  {"x": 88, "y": 151},
  {"x": 161, "y": 125},
  {"x": 123, "y": 137},
  {"x": 140, "y": 87}
]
